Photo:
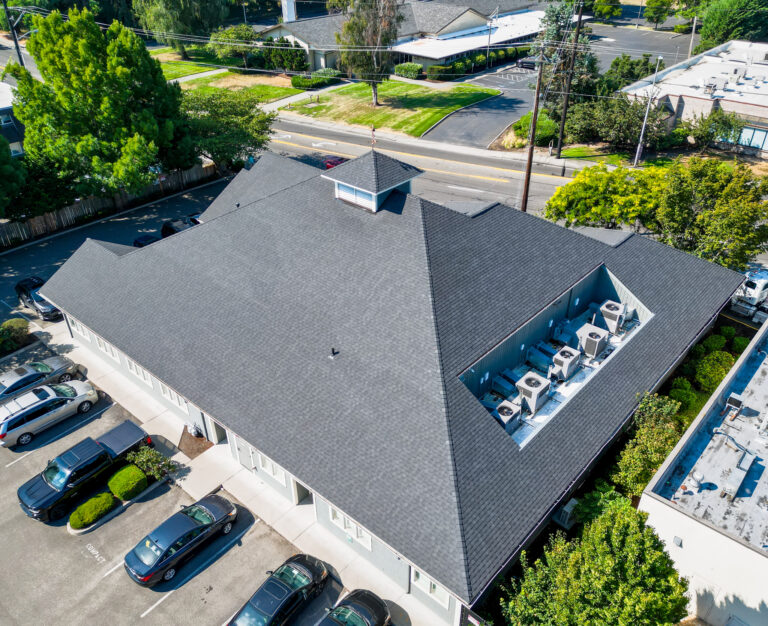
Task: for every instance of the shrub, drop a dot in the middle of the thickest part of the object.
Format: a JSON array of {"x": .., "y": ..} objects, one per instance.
[
  {"x": 478, "y": 58},
  {"x": 729, "y": 332},
  {"x": 501, "y": 54},
  {"x": 714, "y": 343},
  {"x": 698, "y": 351},
  {"x": 682, "y": 28},
  {"x": 92, "y": 510},
  {"x": 511, "y": 54},
  {"x": 409, "y": 70},
  {"x": 127, "y": 482},
  {"x": 686, "y": 397},
  {"x": 312, "y": 82},
  {"x": 523, "y": 51},
  {"x": 17, "y": 329},
  {"x": 492, "y": 57},
  {"x": 439, "y": 72},
  {"x": 152, "y": 462},
  {"x": 678, "y": 137},
  {"x": 739, "y": 344},
  {"x": 459, "y": 67},
  {"x": 712, "y": 369},
  {"x": 682, "y": 383},
  {"x": 546, "y": 128},
  {"x": 329, "y": 72},
  {"x": 688, "y": 368}
]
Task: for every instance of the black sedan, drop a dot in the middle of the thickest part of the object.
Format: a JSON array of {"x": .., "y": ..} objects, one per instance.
[
  {"x": 287, "y": 591},
  {"x": 359, "y": 608},
  {"x": 158, "y": 556},
  {"x": 171, "y": 227},
  {"x": 28, "y": 292}
]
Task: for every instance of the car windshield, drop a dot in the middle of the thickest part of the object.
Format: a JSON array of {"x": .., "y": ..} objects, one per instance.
[
  {"x": 35, "y": 293},
  {"x": 250, "y": 616},
  {"x": 750, "y": 284},
  {"x": 199, "y": 514},
  {"x": 56, "y": 475},
  {"x": 41, "y": 367},
  {"x": 148, "y": 551},
  {"x": 347, "y": 616},
  {"x": 64, "y": 391},
  {"x": 294, "y": 578}
]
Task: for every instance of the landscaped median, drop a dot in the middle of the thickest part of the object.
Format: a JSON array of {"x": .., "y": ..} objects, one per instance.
[{"x": 405, "y": 107}]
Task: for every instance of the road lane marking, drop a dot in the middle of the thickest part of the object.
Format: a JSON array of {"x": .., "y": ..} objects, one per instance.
[
  {"x": 156, "y": 604},
  {"x": 113, "y": 569},
  {"x": 19, "y": 459},
  {"x": 465, "y": 189}
]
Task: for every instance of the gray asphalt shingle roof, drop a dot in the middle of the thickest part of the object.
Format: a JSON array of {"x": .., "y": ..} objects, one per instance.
[
  {"x": 373, "y": 172},
  {"x": 409, "y": 296}
]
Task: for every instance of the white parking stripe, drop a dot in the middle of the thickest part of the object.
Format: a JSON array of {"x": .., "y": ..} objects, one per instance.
[
  {"x": 156, "y": 604},
  {"x": 19, "y": 459},
  {"x": 113, "y": 569}
]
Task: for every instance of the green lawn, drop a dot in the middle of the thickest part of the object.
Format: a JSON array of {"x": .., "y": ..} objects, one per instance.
[
  {"x": 177, "y": 69},
  {"x": 592, "y": 154},
  {"x": 249, "y": 82},
  {"x": 200, "y": 60},
  {"x": 411, "y": 109}
]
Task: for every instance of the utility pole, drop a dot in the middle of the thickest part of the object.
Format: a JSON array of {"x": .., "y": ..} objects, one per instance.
[
  {"x": 245, "y": 17},
  {"x": 12, "y": 26},
  {"x": 532, "y": 134},
  {"x": 639, "y": 151},
  {"x": 569, "y": 77},
  {"x": 693, "y": 34},
  {"x": 488, "y": 47}
]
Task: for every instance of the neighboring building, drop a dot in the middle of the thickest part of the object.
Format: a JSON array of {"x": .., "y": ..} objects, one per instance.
[
  {"x": 709, "y": 501},
  {"x": 10, "y": 127},
  {"x": 393, "y": 361},
  {"x": 431, "y": 33},
  {"x": 732, "y": 77}
]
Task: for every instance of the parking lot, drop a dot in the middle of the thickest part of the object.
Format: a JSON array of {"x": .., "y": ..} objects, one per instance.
[{"x": 54, "y": 577}]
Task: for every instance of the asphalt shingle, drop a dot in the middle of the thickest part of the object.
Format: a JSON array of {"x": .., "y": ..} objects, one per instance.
[{"x": 373, "y": 172}]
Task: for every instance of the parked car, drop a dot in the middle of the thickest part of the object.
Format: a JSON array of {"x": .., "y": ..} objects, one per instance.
[
  {"x": 287, "y": 591},
  {"x": 332, "y": 161},
  {"x": 171, "y": 227},
  {"x": 360, "y": 608},
  {"x": 77, "y": 471},
  {"x": 33, "y": 412},
  {"x": 28, "y": 293},
  {"x": 158, "y": 556},
  {"x": 144, "y": 240},
  {"x": 528, "y": 64},
  {"x": 35, "y": 373}
]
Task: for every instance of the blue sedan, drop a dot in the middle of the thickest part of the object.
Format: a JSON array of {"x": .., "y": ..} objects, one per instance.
[{"x": 158, "y": 556}]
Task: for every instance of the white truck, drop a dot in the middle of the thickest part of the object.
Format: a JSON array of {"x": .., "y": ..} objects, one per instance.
[{"x": 752, "y": 293}]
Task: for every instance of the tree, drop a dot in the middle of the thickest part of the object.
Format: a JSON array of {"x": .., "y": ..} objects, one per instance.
[
  {"x": 366, "y": 35},
  {"x": 657, "y": 11},
  {"x": 104, "y": 113},
  {"x": 228, "y": 42},
  {"x": 592, "y": 504},
  {"x": 185, "y": 17},
  {"x": 281, "y": 54},
  {"x": 12, "y": 177},
  {"x": 624, "y": 71},
  {"x": 606, "y": 9},
  {"x": 617, "y": 573},
  {"x": 712, "y": 369},
  {"x": 718, "y": 126},
  {"x": 733, "y": 19},
  {"x": 227, "y": 126}
]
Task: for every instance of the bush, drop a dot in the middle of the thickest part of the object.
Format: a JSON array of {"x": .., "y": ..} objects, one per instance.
[
  {"x": 328, "y": 72},
  {"x": 409, "y": 70},
  {"x": 439, "y": 72},
  {"x": 92, "y": 510},
  {"x": 739, "y": 344},
  {"x": 686, "y": 397},
  {"x": 511, "y": 54},
  {"x": 714, "y": 343},
  {"x": 312, "y": 82},
  {"x": 501, "y": 54},
  {"x": 729, "y": 332},
  {"x": 698, "y": 351},
  {"x": 682, "y": 28},
  {"x": 546, "y": 128},
  {"x": 492, "y": 57},
  {"x": 682, "y": 383},
  {"x": 678, "y": 137},
  {"x": 523, "y": 51},
  {"x": 127, "y": 482},
  {"x": 459, "y": 67},
  {"x": 17, "y": 329},
  {"x": 478, "y": 59},
  {"x": 712, "y": 369},
  {"x": 152, "y": 462},
  {"x": 688, "y": 368}
]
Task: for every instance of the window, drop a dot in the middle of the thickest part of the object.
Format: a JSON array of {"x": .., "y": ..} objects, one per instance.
[
  {"x": 433, "y": 590},
  {"x": 5, "y": 118},
  {"x": 138, "y": 371},
  {"x": 88, "y": 468},
  {"x": 363, "y": 198},
  {"x": 170, "y": 395},
  {"x": 16, "y": 148},
  {"x": 272, "y": 468},
  {"x": 78, "y": 328},
  {"x": 108, "y": 348},
  {"x": 349, "y": 527}
]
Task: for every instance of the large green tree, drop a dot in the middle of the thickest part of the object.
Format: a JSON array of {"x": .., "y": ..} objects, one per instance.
[
  {"x": 103, "y": 114},
  {"x": 227, "y": 126},
  {"x": 12, "y": 176},
  {"x": 234, "y": 40},
  {"x": 733, "y": 19},
  {"x": 369, "y": 29},
  {"x": 617, "y": 573},
  {"x": 180, "y": 17},
  {"x": 657, "y": 11},
  {"x": 625, "y": 70},
  {"x": 606, "y": 9}
]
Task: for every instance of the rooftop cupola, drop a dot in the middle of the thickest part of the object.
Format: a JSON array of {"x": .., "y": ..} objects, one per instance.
[{"x": 367, "y": 180}]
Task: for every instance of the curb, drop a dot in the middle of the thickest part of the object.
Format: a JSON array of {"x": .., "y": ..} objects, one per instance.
[
  {"x": 116, "y": 511},
  {"x": 466, "y": 106}
]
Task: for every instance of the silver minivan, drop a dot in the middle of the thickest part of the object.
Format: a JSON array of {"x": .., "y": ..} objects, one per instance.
[{"x": 35, "y": 411}]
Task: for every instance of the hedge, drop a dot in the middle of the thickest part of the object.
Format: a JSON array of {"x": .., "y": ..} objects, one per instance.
[
  {"x": 729, "y": 332},
  {"x": 698, "y": 351},
  {"x": 328, "y": 72},
  {"x": 459, "y": 67},
  {"x": 685, "y": 397},
  {"x": 714, "y": 343},
  {"x": 127, "y": 482},
  {"x": 712, "y": 369},
  {"x": 312, "y": 82},
  {"x": 409, "y": 70},
  {"x": 682, "y": 383},
  {"x": 92, "y": 510},
  {"x": 739, "y": 344}
]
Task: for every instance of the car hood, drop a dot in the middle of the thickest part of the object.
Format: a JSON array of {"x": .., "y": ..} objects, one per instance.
[
  {"x": 81, "y": 387},
  {"x": 37, "y": 494},
  {"x": 58, "y": 362}
]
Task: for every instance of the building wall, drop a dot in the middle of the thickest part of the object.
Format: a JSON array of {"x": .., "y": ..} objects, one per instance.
[{"x": 726, "y": 578}]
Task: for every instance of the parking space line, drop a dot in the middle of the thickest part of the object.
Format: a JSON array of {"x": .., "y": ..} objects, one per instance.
[
  {"x": 113, "y": 569},
  {"x": 156, "y": 604},
  {"x": 19, "y": 459}
]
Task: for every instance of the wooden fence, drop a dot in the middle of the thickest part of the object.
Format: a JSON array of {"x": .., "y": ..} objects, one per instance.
[{"x": 15, "y": 233}]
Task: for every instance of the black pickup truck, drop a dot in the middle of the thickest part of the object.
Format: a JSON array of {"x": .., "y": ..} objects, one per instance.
[{"x": 85, "y": 466}]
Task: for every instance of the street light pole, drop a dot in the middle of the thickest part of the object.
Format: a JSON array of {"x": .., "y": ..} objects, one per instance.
[
  {"x": 693, "y": 34},
  {"x": 12, "y": 26},
  {"x": 647, "y": 110},
  {"x": 488, "y": 46}
]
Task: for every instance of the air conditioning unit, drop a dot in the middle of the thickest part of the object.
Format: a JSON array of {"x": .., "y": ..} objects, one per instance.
[
  {"x": 502, "y": 386},
  {"x": 533, "y": 390},
  {"x": 565, "y": 516},
  {"x": 613, "y": 314},
  {"x": 592, "y": 340},
  {"x": 509, "y": 415},
  {"x": 565, "y": 363}
]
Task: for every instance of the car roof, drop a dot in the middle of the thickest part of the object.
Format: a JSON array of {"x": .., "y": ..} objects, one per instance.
[
  {"x": 307, "y": 562},
  {"x": 11, "y": 376},
  {"x": 31, "y": 282},
  {"x": 171, "y": 529},
  {"x": 270, "y": 596},
  {"x": 84, "y": 449},
  {"x": 24, "y": 401}
]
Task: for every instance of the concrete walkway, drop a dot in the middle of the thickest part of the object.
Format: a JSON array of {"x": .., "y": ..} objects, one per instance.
[
  {"x": 439, "y": 85},
  {"x": 216, "y": 466},
  {"x": 184, "y": 79},
  {"x": 299, "y": 97}
]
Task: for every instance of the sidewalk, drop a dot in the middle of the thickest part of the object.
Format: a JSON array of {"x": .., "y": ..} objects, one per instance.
[
  {"x": 216, "y": 466},
  {"x": 188, "y": 77},
  {"x": 298, "y": 97}
]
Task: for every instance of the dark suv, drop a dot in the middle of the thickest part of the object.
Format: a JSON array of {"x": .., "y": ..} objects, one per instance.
[
  {"x": 171, "y": 227},
  {"x": 28, "y": 292}
]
